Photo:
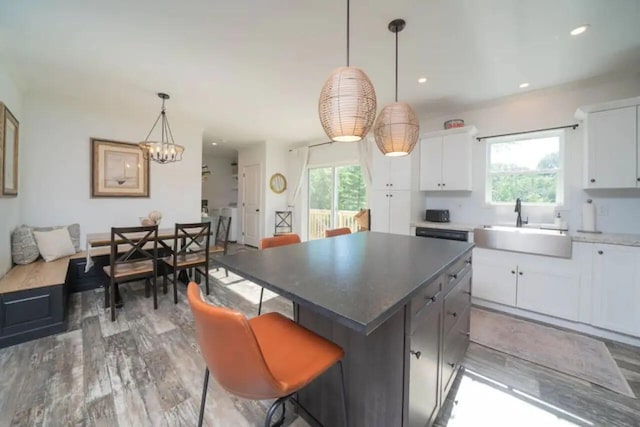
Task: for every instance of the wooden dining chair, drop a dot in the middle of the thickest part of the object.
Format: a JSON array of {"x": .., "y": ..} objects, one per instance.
[
  {"x": 221, "y": 240},
  {"x": 272, "y": 242},
  {"x": 337, "y": 232},
  {"x": 138, "y": 262},
  {"x": 266, "y": 357},
  {"x": 190, "y": 251}
]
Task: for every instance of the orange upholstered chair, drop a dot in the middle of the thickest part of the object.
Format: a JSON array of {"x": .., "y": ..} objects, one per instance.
[
  {"x": 267, "y": 357},
  {"x": 337, "y": 232},
  {"x": 272, "y": 242}
]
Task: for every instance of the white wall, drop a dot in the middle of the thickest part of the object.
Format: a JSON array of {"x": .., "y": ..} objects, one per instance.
[
  {"x": 56, "y": 168},
  {"x": 10, "y": 206},
  {"x": 618, "y": 212},
  {"x": 276, "y": 162},
  {"x": 220, "y": 188}
]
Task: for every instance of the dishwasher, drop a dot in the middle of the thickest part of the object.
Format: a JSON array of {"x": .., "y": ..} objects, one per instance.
[{"x": 441, "y": 233}]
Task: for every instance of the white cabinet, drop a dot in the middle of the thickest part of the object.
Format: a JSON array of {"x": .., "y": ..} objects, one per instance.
[
  {"x": 390, "y": 211},
  {"x": 612, "y": 144},
  {"x": 536, "y": 283},
  {"x": 445, "y": 160},
  {"x": 494, "y": 276},
  {"x": 391, "y": 173},
  {"x": 616, "y": 288}
]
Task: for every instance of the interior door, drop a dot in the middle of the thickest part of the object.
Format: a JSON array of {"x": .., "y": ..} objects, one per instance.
[{"x": 251, "y": 185}]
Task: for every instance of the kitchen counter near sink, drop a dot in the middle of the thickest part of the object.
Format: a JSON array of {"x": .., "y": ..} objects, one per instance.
[{"x": 607, "y": 238}]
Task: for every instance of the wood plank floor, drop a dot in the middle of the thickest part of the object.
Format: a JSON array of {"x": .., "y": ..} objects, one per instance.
[{"x": 145, "y": 369}]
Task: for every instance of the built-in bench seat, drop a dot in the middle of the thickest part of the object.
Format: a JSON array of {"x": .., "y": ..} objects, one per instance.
[{"x": 33, "y": 297}]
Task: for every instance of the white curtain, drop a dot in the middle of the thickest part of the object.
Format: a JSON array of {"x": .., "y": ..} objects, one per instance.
[
  {"x": 302, "y": 155},
  {"x": 364, "y": 158}
]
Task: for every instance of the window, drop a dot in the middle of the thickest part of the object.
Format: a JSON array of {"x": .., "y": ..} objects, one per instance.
[
  {"x": 336, "y": 194},
  {"x": 529, "y": 167}
]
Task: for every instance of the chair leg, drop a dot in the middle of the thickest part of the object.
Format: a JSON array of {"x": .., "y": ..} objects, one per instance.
[
  {"x": 226, "y": 272},
  {"x": 147, "y": 286},
  {"x": 164, "y": 281},
  {"x": 206, "y": 281},
  {"x": 344, "y": 395},
  {"x": 204, "y": 396},
  {"x": 112, "y": 300},
  {"x": 272, "y": 411},
  {"x": 107, "y": 285},
  {"x": 260, "y": 304},
  {"x": 175, "y": 287},
  {"x": 154, "y": 287}
]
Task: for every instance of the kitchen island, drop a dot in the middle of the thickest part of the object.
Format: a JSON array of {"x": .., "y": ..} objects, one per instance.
[{"x": 397, "y": 305}]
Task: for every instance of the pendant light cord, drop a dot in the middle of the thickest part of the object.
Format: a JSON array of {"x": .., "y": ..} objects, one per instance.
[
  {"x": 348, "y": 33},
  {"x": 396, "y": 66}
]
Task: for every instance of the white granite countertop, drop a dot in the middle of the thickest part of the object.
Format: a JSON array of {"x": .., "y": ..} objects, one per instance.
[
  {"x": 607, "y": 238},
  {"x": 445, "y": 225}
]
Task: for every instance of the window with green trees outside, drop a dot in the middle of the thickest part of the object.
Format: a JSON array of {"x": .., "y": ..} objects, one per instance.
[
  {"x": 528, "y": 166},
  {"x": 336, "y": 194}
]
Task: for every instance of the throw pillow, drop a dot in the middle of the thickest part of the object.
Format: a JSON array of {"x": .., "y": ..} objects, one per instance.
[
  {"x": 74, "y": 232},
  {"x": 24, "y": 249},
  {"x": 54, "y": 244}
]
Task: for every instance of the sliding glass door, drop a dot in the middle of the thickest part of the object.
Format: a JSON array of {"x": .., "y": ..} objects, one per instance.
[{"x": 336, "y": 194}]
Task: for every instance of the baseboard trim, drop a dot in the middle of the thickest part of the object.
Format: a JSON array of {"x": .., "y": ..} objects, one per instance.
[{"x": 562, "y": 323}]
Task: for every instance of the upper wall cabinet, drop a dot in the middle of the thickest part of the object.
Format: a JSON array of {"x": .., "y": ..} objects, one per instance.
[
  {"x": 612, "y": 141},
  {"x": 391, "y": 173},
  {"x": 445, "y": 159}
]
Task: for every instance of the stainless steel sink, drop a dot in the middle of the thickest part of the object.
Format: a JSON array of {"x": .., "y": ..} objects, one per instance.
[{"x": 528, "y": 240}]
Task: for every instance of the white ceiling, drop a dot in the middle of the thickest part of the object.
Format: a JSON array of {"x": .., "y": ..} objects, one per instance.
[{"x": 253, "y": 70}]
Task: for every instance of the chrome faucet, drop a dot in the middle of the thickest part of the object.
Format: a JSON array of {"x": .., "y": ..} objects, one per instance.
[{"x": 518, "y": 209}]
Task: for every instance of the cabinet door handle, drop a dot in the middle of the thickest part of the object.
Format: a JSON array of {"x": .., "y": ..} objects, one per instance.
[
  {"x": 390, "y": 185},
  {"x": 443, "y": 184},
  {"x": 452, "y": 314},
  {"x": 465, "y": 333},
  {"x": 639, "y": 179},
  {"x": 417, "y": 354},
  {"x": 600, "y": 252},
  {"x": 390, "y": 195},
  {"x": 453, "y": 365},
  {"x": 439, "y": 184},
  {"x": 513, "y": 272},
  {"x": 520, "y": 273},
  {"x": 592, "y": 180}
]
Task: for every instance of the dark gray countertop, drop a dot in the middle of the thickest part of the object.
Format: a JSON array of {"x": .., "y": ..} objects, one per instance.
[{"x": 359, "y": 280}]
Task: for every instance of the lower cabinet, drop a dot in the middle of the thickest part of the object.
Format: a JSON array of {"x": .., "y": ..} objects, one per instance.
[
  {"x": 545, "y": 285},
  {"x": 424, "y": 384},
  {"x": 438, "y": 339},
  {"x": 616, "y": 288}
]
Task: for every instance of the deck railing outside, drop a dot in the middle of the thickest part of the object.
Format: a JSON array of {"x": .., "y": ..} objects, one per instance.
[{"x": 320, "y": 220}]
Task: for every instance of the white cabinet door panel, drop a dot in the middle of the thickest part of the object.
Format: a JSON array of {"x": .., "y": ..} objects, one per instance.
[
  {"x": 400, "y": 172},
  {"x": 456, "y": 162},
  {"x": 550, "y": 291},
  {"x": 380, "y": 169},
  {"x": 616, "y": 281},
  {"x": 494, "y": 277},
  {"x": 430, "y": 163},
  {"x": 399, "y": 212},
  {"x": 612, "y": 149},
  {"x": 380, "y": 211}
]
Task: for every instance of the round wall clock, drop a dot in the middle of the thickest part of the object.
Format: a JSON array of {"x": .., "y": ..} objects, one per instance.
[{"x": 278, "y": 183}]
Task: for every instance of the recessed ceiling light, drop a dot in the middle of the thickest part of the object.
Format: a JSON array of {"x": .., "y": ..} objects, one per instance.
[
  {"x": 523, "y": 85},
  {"x": 579, "y": 30},
  {"x": 422, "y": 80},
  {"x": 214, "y": 143}
]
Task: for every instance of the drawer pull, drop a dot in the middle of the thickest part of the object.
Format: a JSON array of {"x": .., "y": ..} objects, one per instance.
[
  {"x": 417, "y": 354},
  {"x": 433, "y": 298},
  {"x": 465, "y": 333},
  {"x": 452, "y": 314},
  {"x": 453, "y": 365},
  {"x": 458, "y": 274}
]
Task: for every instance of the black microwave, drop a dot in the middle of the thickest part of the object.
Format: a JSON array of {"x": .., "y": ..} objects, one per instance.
[{"x": 437, "y": 215}]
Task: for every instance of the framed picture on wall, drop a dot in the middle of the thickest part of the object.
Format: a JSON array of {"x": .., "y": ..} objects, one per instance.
[
  {"x": 9, "y": 136},
  {"x": 118, "y": 169}
]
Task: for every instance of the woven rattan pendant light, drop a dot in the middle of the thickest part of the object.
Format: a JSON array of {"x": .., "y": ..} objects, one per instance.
[
  {"x": 397, "y": 127},
  {"x": 347, "y": 105}
]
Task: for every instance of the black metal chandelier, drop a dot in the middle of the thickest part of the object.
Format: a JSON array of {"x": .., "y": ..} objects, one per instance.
[{"x": 165, "y": 150}]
